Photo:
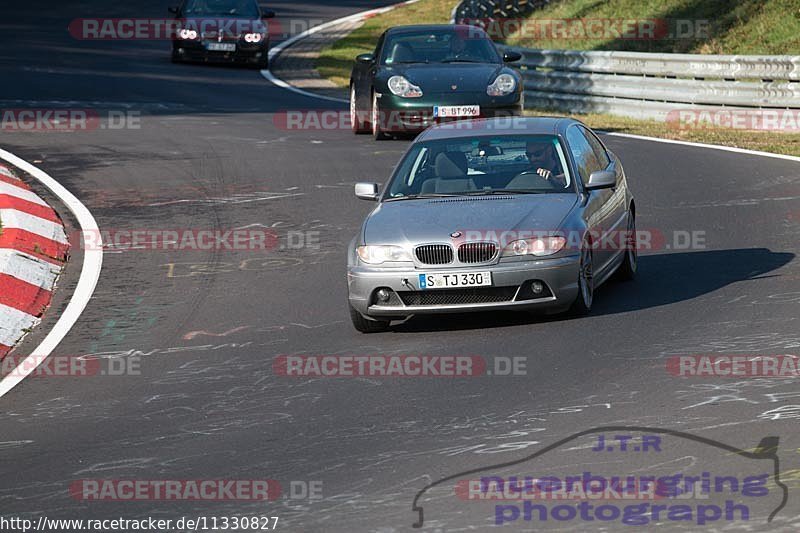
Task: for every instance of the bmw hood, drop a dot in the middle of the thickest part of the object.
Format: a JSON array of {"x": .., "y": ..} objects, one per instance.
[
  {"x": 411, "y": 222},
  {"x": 440, "y": 78}
]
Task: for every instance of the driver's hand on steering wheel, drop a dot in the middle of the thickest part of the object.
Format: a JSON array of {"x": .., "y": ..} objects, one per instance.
[{"x": 543, "y": 172}]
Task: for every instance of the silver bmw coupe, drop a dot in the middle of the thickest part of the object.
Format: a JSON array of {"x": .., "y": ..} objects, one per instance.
[{"x": 506, "y": 213}]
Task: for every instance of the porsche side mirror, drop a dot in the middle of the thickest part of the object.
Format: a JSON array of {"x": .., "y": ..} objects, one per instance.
[
  {"x": 602, "y": 179},
  {"x": 511, "y": 57},
  {"x": 268, "y": 14},
  {"x": 367, "y": 191},
  {"x": 365, "y": 58}
]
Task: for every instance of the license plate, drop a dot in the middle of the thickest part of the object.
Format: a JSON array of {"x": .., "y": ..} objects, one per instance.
[
  {"x": 452, "y": 280},
  {"x": 448, "y": 111},
  {"x": 221, "y": 47}
]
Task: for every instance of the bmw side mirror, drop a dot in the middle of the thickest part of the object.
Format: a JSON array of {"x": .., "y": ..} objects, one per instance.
[
  {"x": 511, "y": 57},
  {"x": 602, "y": 179},
  {"x": 365, "y": 58},
  {"x": 173, "y": 10},
  {"x": 367, "y": 191},
  {"x": 268, "y": 14}
]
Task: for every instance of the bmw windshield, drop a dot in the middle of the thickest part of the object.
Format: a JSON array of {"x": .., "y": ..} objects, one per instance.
[
  {"x": 221, "y": 8},
  {"x": 482, "y": 166}
]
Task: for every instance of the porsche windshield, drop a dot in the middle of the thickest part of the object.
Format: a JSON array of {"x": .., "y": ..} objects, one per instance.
[
  {"x": 483, "y": 165},
  {"x": 439, "y": 47}
]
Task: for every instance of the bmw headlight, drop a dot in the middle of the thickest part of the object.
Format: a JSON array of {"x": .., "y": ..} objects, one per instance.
[
  {"x": 187, "y": 34},
  {"x": 503, "y": 85},
  {"x": 375, "y": 255},
  {"x": 402, "y": 87},
  {"x": 539, "y": 247},
  {"x": 253, "y": 37}
]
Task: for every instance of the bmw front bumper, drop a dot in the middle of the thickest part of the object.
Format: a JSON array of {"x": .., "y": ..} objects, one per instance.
[
  {"x": 195, "y": 51},
  {"x": 510, "y": 290}
]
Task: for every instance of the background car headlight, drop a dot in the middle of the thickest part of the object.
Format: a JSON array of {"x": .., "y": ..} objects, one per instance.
[
  {"x": 253, "y": 37},
  {"x": 402, "y": 87},
  {"x": 188, "y": 34},
  {"x": 538, "y": 247},
  {"x": 375, "y": 255},
  {"x": 503, "y": 85}
]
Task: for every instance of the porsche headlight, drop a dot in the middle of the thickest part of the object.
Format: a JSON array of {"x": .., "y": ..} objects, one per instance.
[
  {"x": 375, "y": 255},
  {"x": 402, "y": 87},
  {"x": 503, "y": 85},
  {"x": 539, "y": 247}
]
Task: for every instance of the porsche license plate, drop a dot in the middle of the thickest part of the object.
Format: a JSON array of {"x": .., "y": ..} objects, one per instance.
[
  {"x": 450, "y": 111},
  {"x": 453, "y": 280}
]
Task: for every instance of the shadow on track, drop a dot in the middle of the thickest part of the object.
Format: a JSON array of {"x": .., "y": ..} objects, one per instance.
[{"x": 663, "y": 279}]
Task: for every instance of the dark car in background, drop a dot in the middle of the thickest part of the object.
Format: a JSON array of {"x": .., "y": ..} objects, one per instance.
[
  {"x": 221, "y": 31},
  {"x": 422, "y": 75}
]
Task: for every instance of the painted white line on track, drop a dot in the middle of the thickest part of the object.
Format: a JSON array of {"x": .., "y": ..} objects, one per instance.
[
  {"x": 280, "y": 47},
  {"x": 703, "y": 145},
  {"x": 90, "y": 274},
  {"x": 283, "y": 85}
]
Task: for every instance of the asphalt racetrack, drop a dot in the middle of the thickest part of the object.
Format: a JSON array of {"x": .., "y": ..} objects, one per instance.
[{"x": 206, "y": 326}]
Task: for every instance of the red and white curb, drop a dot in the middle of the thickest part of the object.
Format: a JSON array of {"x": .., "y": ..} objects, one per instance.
[{"x": 33, "y": 249}]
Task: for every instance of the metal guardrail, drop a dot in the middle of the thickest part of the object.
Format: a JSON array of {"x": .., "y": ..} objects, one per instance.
[
  {"x": 644, "y": 85},
  {"x": 493, "y": 9}
]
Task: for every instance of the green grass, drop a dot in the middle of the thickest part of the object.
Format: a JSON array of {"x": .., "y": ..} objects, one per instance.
[
  {"x": 336, "y": 61},
  {"x": 779, "y": 143},
  {"x": 734, "y": 26}
]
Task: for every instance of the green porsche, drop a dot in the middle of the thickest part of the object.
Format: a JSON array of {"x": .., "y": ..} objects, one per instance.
[{"x": 423, "y": 75}]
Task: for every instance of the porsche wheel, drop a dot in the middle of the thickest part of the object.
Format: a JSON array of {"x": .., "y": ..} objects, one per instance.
[
  {"x": 357, "y": 121},
  {"x": 377, "y": 132}
]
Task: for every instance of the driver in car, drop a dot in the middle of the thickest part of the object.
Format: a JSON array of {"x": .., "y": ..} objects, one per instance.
[
  {"x": 544, "y": 161},
  {"x": 462, "y": 49}
]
